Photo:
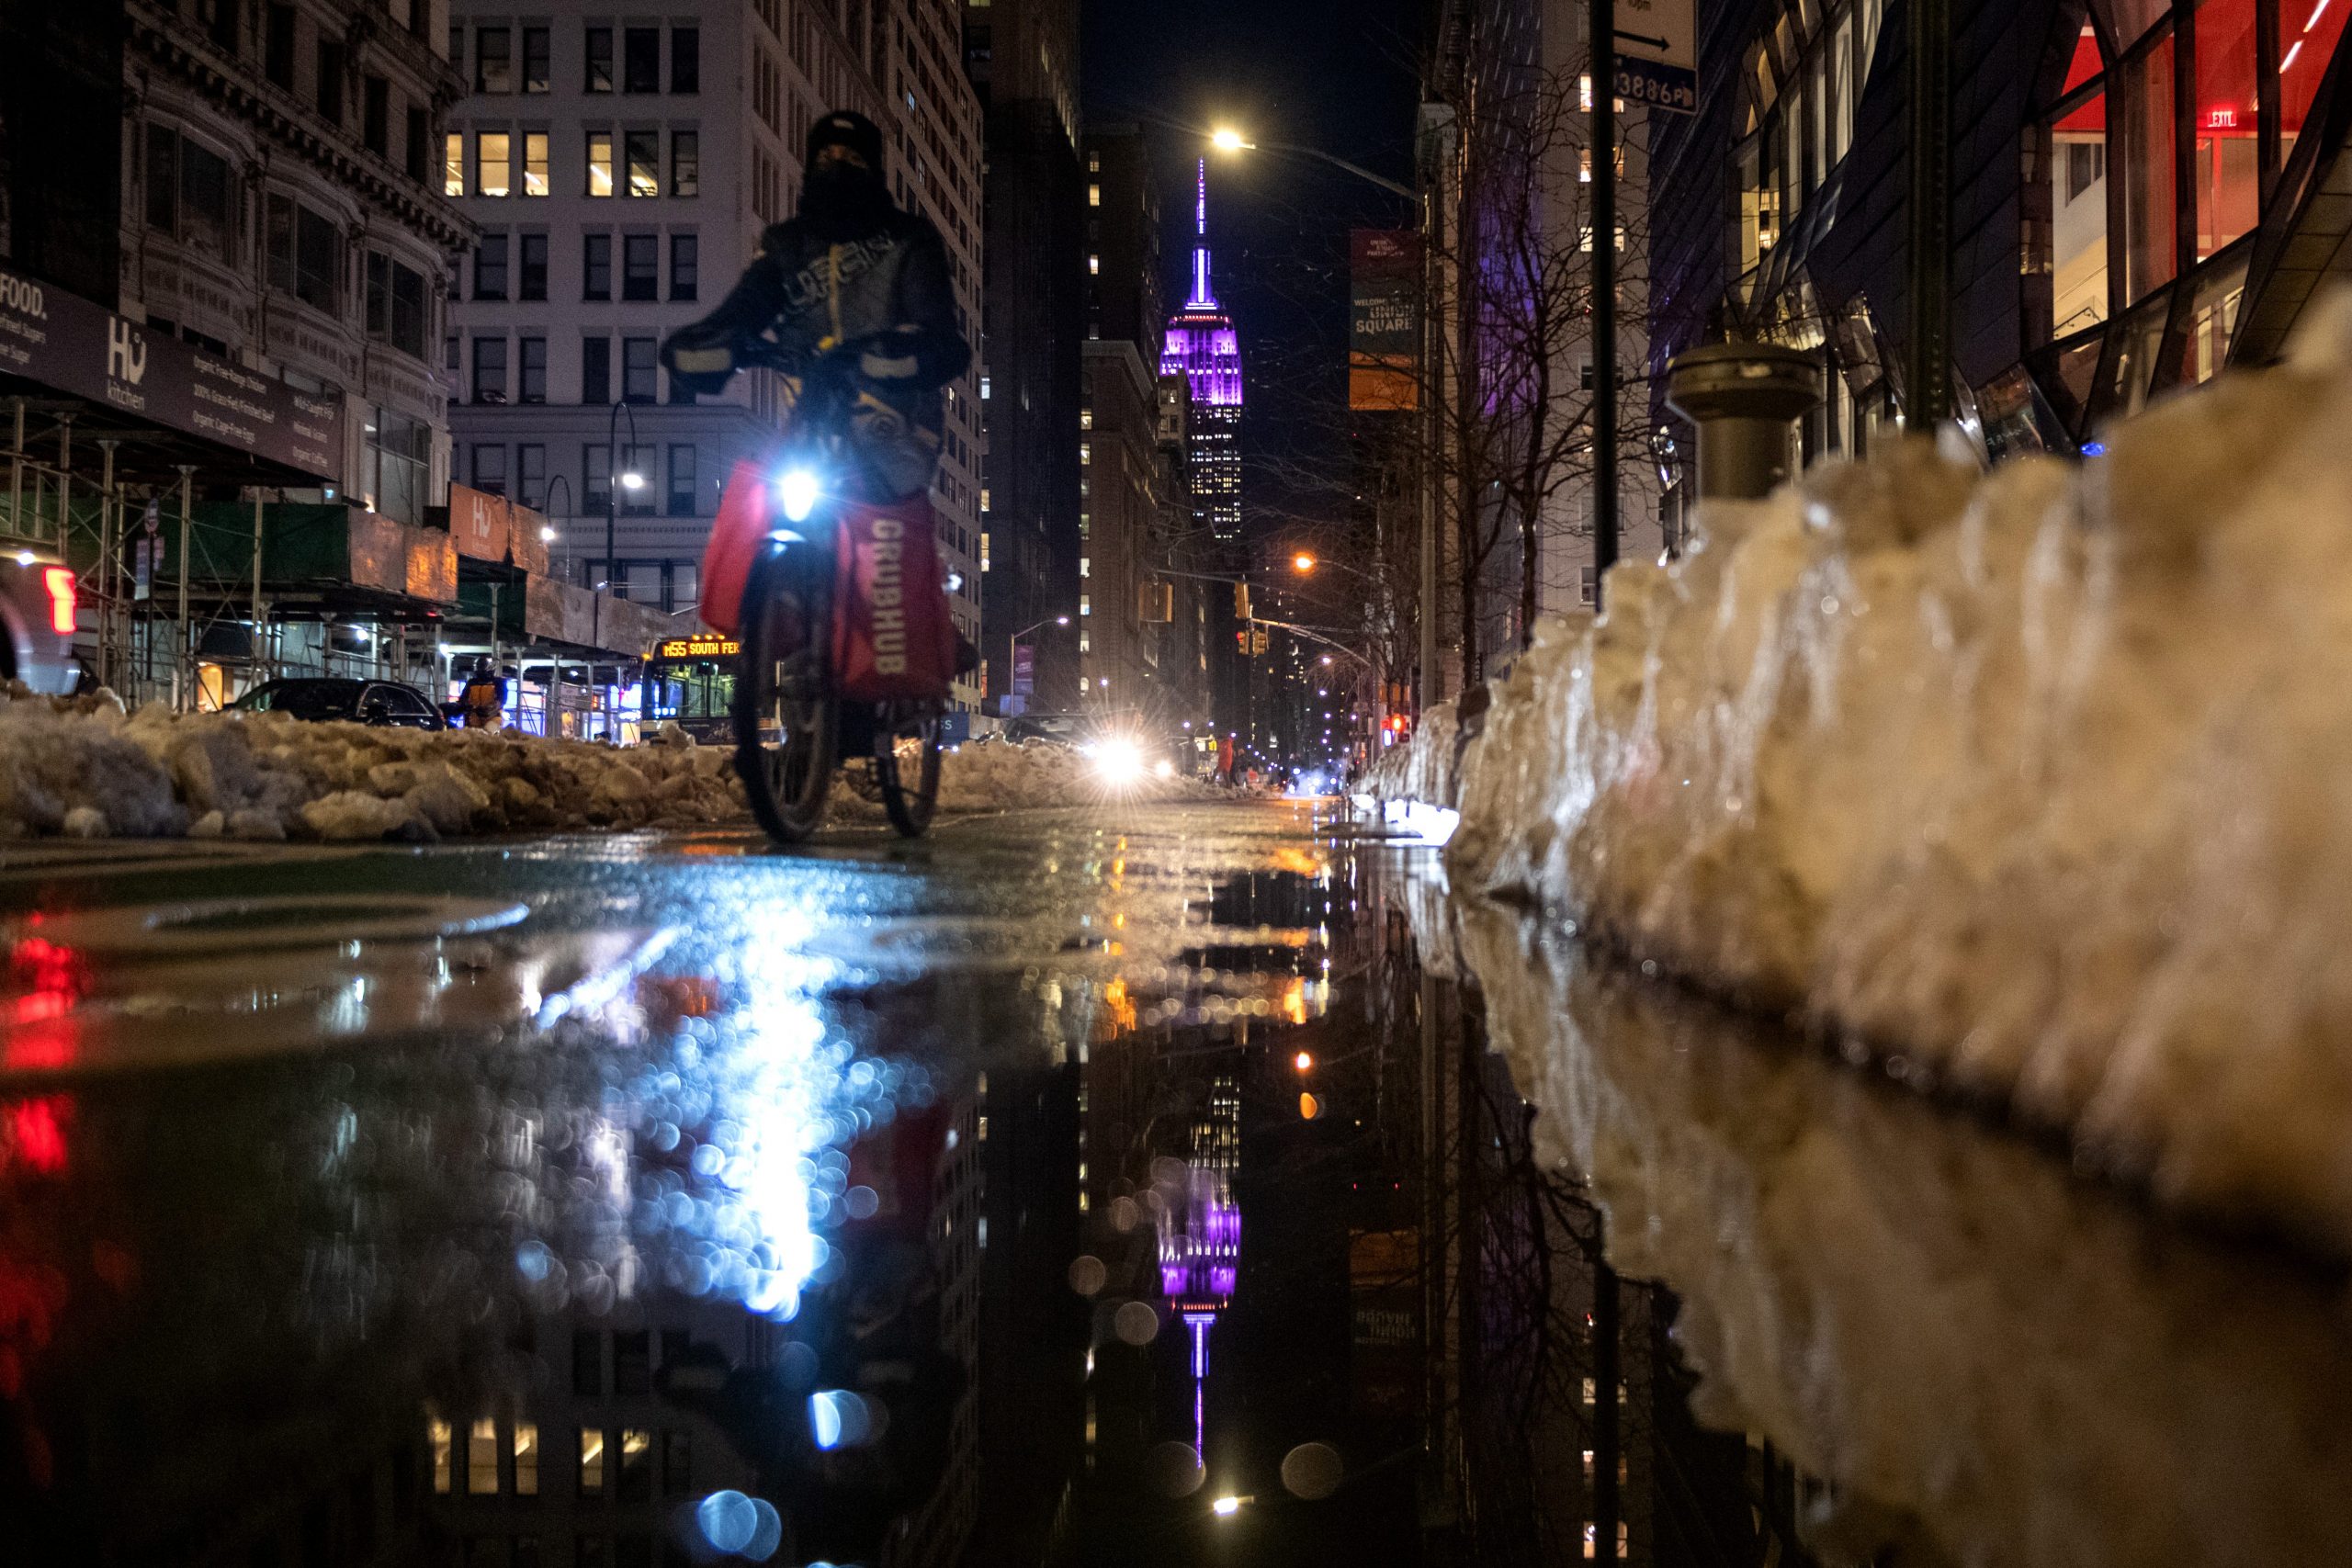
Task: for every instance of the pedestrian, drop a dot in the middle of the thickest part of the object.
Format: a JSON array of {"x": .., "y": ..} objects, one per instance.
[
  {"x": 1225, "y": 761},
  {"x": 484, "y": 697}
]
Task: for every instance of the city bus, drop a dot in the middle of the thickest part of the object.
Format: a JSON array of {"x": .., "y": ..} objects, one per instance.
[{"x": 691, "y": 681}]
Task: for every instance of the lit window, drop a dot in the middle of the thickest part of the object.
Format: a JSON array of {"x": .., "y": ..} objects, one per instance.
[
  {"x": 481, "y": 1458},
  {"x": 591, "y": 1462},
  {"x": 1086, "y": 642},
  {"x": 440, "y": 1437},
  {"x": 495, "y": 163},
  {"x": 1085, "y": 604},
  {"x": 1086, "y": 417},
  {"x": 1086, "y": 451},
  {"x": 644, "y": 149},
  {"x": 453, "y": 164},
  {"x": 1583, "y": 92},
  {"x": 984, "y": 498},
  {"x": 984, "y": 551},
  {"x": 1093, "y": 196},
  {"x": 1085, "y": 567},
  {"x": 526, "y": 1459},
  {"x": 637, "y": 1465},
  {"x": 534, "y": 163},
  {"x": 600, "y": 163},
  {"x": 1094, "y": 265}
]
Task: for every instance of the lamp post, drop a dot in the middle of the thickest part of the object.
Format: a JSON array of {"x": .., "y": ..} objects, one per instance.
[
  {"x": 1225, "y": 139},
  {"x": 1012, "y": 645},
  {"x": 615, "y": 478}
]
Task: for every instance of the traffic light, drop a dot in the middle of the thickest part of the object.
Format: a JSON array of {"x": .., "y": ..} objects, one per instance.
[{"x": 1241, "y": 602}]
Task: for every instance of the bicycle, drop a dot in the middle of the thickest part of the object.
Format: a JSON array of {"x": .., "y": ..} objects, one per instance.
[{"x": 792, "y": 726}]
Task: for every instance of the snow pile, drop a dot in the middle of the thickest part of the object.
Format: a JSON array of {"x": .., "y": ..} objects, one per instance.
[
  {"x": 2041, "y": 780},
  {"x": 1002, "y": 776},
  {"x": 84, "y": 768}
]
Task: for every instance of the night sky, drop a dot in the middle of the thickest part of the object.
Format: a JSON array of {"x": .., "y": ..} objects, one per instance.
[{"x": 1331, "y": 74}]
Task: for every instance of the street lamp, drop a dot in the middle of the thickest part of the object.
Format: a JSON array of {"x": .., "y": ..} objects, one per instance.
[
  {"x": 616, "y": 480},
  {"x": 1225, "y": 139},
  {"x": 1012, "y": 645}
]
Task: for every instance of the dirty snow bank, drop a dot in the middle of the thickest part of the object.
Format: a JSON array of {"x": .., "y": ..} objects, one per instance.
[
  {"x": 2042, "y": 780},
  {"x": 85, "y": 769}
]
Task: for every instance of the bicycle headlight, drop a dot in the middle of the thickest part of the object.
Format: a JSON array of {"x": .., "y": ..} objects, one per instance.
[{"x": 798, "y": 489}]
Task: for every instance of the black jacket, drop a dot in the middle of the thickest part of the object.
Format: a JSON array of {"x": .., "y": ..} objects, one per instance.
[{"x": 811, "y": 293}]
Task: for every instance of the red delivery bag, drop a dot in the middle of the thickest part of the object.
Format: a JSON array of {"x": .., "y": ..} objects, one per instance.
[
  {"x": 747, "y": 512},
  {"x": 893, "y": 640}
]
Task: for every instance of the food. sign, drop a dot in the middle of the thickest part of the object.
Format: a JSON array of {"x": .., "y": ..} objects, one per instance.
[{"x": 706, "y": 646}]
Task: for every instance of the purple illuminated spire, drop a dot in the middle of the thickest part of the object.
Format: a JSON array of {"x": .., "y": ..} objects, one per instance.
[{"x": 1204, "y": 348}]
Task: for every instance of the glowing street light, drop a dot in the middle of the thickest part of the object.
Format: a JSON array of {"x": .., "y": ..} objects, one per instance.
[
  {"x": 1303, "y": 1061},
  {"x": 632, "y": 482},
  {"x": 1226, "y": 1508},
  {"x": 1302, "y": 563},
  {"x": 1224, "y": 138}
]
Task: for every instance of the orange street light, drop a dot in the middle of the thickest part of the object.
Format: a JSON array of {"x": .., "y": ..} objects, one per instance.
[
  {"x": 1302, "y": 563},
  {"x": 1303, "y": 1062}
]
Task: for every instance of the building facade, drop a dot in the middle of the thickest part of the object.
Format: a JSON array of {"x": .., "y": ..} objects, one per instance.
[
  {"x": 1204, "y": 348},
  {"x": 1022, "y": 56},
  {"x": 2142, "y": 196},
  {"x": 620, "y": 174}
]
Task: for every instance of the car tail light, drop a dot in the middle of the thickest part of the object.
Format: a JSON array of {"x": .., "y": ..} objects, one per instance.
[{"x": 60, "y": 581}]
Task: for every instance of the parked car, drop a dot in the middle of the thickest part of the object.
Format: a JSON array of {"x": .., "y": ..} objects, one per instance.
[
  {"x": 37, "y": 604},
  {"x": 384, "y": 704},
  {"x": 1068, "y": 730}
]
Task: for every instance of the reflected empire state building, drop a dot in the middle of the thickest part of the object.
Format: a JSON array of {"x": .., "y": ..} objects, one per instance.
[
  {"x": 1204, "y": 347},
  {"x": 1199, "y": 1245}
]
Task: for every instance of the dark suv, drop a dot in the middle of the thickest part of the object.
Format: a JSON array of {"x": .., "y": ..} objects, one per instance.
[{"x": 380, "y": 703}]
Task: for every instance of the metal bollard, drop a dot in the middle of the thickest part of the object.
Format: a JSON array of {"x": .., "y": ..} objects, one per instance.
[{"x": 1746, "y": 399}]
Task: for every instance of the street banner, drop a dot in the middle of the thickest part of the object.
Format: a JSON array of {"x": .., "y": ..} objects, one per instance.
[
  {"x": 1384, "y": 335},
  {"x": 79, "y": 347},
  {"x": 1024, "y": 669},
  {"x": 1658, "y": 54}
]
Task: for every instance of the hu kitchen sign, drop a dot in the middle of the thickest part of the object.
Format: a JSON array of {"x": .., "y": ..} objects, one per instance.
[{"x": 79, "y": 347}]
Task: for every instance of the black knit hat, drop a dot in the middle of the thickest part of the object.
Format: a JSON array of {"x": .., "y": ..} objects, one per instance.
[{"x": 844, "y": 129}]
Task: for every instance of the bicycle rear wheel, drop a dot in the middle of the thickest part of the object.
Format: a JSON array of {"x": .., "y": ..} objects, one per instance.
[
  {"x": 787, "y": 723},
  {"x": 906, "y": 765}
]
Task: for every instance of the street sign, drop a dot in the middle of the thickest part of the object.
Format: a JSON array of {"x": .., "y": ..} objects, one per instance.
[{"x": 1658, "y": 54}]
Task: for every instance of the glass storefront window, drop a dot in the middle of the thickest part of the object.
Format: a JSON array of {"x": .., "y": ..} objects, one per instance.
[
  {"x": 2146, "y": 151},
  {"x": 2136, "y": 356},
  {"x": 2078, "y": 237},
  {"x": 2086, "y": 61},
  {"x": 1841, "y": 88},
  {"x": 2212, "y": 314},
  {"x": 2308, "y": 31},
  {"x": 2130, "y": 21},
  {"x": 2224, "y": 119}
]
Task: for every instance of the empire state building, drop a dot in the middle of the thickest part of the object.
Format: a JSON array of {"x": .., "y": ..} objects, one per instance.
[{"x": 1205, "y": 350}]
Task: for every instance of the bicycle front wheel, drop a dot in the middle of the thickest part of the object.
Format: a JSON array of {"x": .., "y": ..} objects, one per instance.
[
  {"x": 906, "y": 765},
  {"x": 787, "y": 723}
]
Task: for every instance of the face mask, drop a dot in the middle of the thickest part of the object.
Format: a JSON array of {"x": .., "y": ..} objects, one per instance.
[{"x": 837, "y": 194}]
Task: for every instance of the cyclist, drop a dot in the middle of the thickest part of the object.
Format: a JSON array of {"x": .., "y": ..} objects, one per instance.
[{"x": 851, "y": 269}]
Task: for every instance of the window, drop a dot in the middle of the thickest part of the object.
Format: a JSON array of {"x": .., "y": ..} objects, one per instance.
[
  {"x": 677, "y": 1461},
  {"x": 490, "y": 369},
  {"x": 494, "y": 60},
  {"x": 493, "y": 164},
  {"x": 277, "y": 47},
  {"x": 637, "y": 386},
  {"x": 644, "y": 151},
  {"x": 596, "y": 478},
  {"x": 489, "y": 470},
  {"x": 534, "y": 367},
  {"x": 376, "y": 115},
  {"x": 685, "y": 266},
  {"x": 453, "y": 164},
  {"x": 395, "y": 304},
  {"x": 420, "y": 139},
  {"x": 686, "y": 162},
  {"x": 596, "y": 370},
  {"x": 592, "y": 1462},
  {"x": 397, "y": 459},
  {"x": 641, "y": 501},
  {"x": 531, "y": 465},
  {"x": 438, "y": 1437},
  {"x": 2225, "y": 124},
  {"x": 489, "y": 267},
  {"x": 1093, "y": 196},
  {"x": 1085, "y": 604},
  {"x": 305, "y": 253},
  {"x": 2307, "y": 39},
  {"x": 600, "y": 163},
  {"x": 525, "y": 1443},
  {"x": 599, "y": 59},
  {"x": 331, "y": 71},
  {"x": 682, "y": 481},
  {"x": 2146, "y": 151},
  {"x": 481, "y": 1458},
  {"x": 637, "y": 1465},
  {"x": 532, "y": 283},
  {"x": 534, "y": 162},
  {"x": 535, "y": 74},
  {"x": 187, "y": 192},
  {"x": 686, "y": 59},
  {"x": 587, "y": 1362},
  {"x": 596, "y": 267},
  {"x": 641, "y": 59},
  {"x": 641, "y": 267}
]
